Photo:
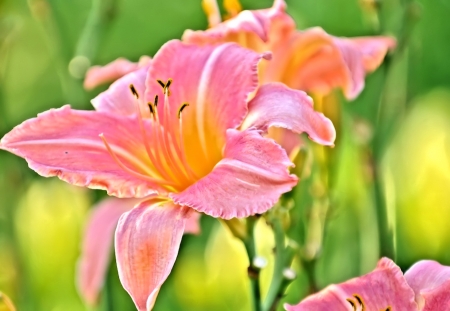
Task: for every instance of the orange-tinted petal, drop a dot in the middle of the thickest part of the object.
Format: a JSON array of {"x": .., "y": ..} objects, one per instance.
[
  {"x": 315, "y": 61},
  {"x": 248, "y": 180},
  {"x": 97, "y": 245},
  {"x": 65, "y": 143},
  {"x": 277, "y": 105},
  {"x": 258, "y": 30},
  {"x": 374, "y": 49},
  {"x": 147, "y": 241}
]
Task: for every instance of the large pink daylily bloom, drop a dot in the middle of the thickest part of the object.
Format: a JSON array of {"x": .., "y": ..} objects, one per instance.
[
  {"x": 309, "y": 60},
  {"x": 424, "y": 287},
  {"x": 183, "y": 134}
]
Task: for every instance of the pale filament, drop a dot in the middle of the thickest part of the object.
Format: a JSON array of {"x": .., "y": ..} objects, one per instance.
[
  {"x": 161, "y": 149},
  {"x": 132, "y": 172},
  {"x": 168, "y": 153},
  {"x": 167, "y": 133},
  {"x": 181, "y": 152},
  {"x": 173, "y": 148},
  {"x": 160, "y": 171},
  {"x": 156, "y": 129}
]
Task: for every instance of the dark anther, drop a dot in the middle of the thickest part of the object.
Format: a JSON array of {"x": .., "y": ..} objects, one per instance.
[
  {"x": 169, "y": 82},
  {"x": 352, "y": 303},
  {"x": 165, "y": 86},
  {"x": 156, "y": 101},
  {"x": 150, "y": 106},
  {"x": 361, "y": 302},
  {"x": 161, "y": 83},
  {"x": 133, "y": 91},
  {"x": 181, "y": 109}
]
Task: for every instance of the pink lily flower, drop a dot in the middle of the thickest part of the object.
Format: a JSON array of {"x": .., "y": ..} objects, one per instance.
[
  {"x": 309, "y": 60},
  {"x": 183, "y": 134},
  {"x": 424, "y": 287}
]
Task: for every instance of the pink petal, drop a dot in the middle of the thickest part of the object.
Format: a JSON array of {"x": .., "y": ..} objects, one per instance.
[
  {"x": 98, "y": 75},
  {"x": 65, "y": 143},
  {"x": 277, "y": 105},
  {"x": 193, "y": 223},
  {"x": 251, "y": 29},
  {"x": 118, "y": 97},
  {"x": 147, "y": 241},
  {"x": 382, "y": 288},
  {"x": 216, "y": 81},
  {"x": 290, "y": 141},
  {"x": 374, "y": 49},
  {"x": 248, "y": 180},
  {"x": 431, "y": 283},
  {"x": 314, "y": 61},
  {"x": 97, "y": 245}
]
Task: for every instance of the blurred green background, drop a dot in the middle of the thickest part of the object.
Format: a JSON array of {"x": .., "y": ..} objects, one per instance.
[{"x": 42, "y": 220}]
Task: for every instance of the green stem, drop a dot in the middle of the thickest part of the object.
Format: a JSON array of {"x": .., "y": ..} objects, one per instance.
[
  {"x": 386, "y": 118},
  {"x": 101, "y": 13},
  {"x": 283, "y": 259},
  {"x": 109, "y": 290},
  {"x": 253, "y": 270},
  {"x": 309, "y": 266}
]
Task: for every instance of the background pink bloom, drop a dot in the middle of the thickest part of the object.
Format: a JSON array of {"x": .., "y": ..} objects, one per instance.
[
  {"x": 309, "y": 60},
  {"x": 423, "y": 287}
]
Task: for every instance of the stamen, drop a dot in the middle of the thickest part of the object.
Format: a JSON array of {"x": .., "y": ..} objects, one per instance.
[
  {"x": 156, "y": 160},
  {"x": 130, "y": 171},
  {"x": 181, "y": 109},
  {"x": 361, "y": 302},
  {"x": 133, "y": 91},
  {"x": 165, "y": 86},
  {"x": 156, "y": 101},
  {"x": 150, "y": 107},
  {"x": 166, "y": 140},
  {"x": 180, "y": 146},
  {"x": 388, "y": 309},
  {"x": 169, "y": 82},
  {"x": 352, "y": 303}
]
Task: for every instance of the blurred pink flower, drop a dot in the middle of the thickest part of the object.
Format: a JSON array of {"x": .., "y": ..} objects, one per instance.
[
  {"x": 98, "y": 75},
  {"x": 424, "y": 287},
  {"x": 183, "y": 133},
  {"x": 309, "y": 60}
]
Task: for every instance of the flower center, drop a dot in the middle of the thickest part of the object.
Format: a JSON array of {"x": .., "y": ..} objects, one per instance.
[{"x": 163, "y": 141}]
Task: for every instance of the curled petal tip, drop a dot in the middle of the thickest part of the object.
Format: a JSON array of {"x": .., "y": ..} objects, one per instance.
[{"x": 267, "y": 55}]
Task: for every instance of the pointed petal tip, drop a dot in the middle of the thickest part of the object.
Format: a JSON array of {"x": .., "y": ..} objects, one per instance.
[
  {"x": 147, "y": 241},
  {"x": 152, "y": 298},
  {"x": 275, "y": 104}
]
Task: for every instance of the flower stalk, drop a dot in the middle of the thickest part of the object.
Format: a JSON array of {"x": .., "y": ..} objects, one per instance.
[
  {"x": 281, "y": 278},
  {"x": 254, "y": 267}
]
